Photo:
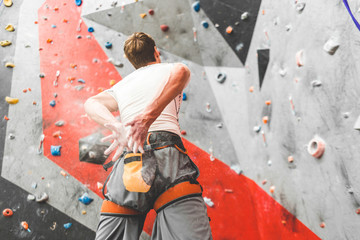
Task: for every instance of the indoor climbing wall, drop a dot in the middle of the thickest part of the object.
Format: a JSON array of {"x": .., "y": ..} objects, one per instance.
[{"x": 269, "y": 115}]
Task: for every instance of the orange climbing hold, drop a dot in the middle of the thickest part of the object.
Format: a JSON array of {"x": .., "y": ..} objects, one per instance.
[
  {"x": 71, "y": 79},
  {"x": 265, "y": 119},
  {"x": 322, "y": 225},
  {"x": 164, "y": 28},
  {"x": 49, "y": 40},
  {"x": 290, "y": 159},
  {"x": 251, "y": 89},
  {"x": 62, "y": 172},
  {"x": 6, "y": 118},
  {"x": 56, "y": 134},
  {"x": 36, "y": 22},
  {"x": 268, "y": 102},
  {"x": 65, "y": 21},
  {"x": 73, "y": 65},
  {"x": 142, "y": 15},
  {"x": 7, "y": 212},
  {"x": 229, "y": 30},
  {"x": 24, "y": 90},
  {"x": 25, "y": 225},
  {"x": 272, "y": 189}
]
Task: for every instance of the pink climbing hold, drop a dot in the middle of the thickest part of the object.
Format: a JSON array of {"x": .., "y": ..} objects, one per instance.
[{"x": 164, "y": 28}]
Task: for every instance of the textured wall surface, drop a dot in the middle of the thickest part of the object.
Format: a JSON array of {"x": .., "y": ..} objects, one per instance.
[{"x": 274, "y": 198}]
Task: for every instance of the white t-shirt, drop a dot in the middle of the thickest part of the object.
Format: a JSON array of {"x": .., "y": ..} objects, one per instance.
[{"x": 137, "y": 90}]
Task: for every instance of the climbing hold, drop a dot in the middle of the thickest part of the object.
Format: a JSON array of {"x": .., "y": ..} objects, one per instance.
[
  {"x": 7, "y": 212},
  {"x": 41, "y": 75},
  {"x": 265, "y": 119},
  {"x": 184, "y": 98},
  {"x": 217, "y": 25},
  {"x": 25, "y": 225},
  {"x": 331, "y": 45},
  {"x": 85, "y": 199},
  {"x": 118, "y": 64},
  {"x": 6, "y": 118},
  {"x": 288, "y": 27},
  {"x": 9, "y": 28},
  {"x": 251, "y": 89},
  {"x": 164, "y": 28},
  {"x": 11, "y": 136},
  {"x": 208, "y": 108},
  {"x": 322, "y": 224},
  {"x": 112, "y": 82},
  {"x": 219, "y": 125},
  {"x": 42, "y": 197},
  {"x": 67, "y": 225},
  {"x": 221, "y": 77},
  {"x": 229, "y": 30},
  {"x": 183, "y": 132},
  {"x": 265, "y": 144},
  {"x": 99, "y": 185},
  {"x": 83, "y": 212},
  {"x": 300, "y": 58},
  {"x": 316, "y": 147},
  {"x": 269, "y": 163},
  {"x": 268, "y": 102},
  {"x": 264, "y": 182},
  {"x": 205, "y": 24},
  {"x": 300, "y": 7},
  {"x": 316, "y": 83},
  {"x": 142, "y": 15},
  {"x": 239, "y": 47},
  {"x": 52, "y": 103},
  {"x": 108, "y": 45},
  {"x": 228, "y": 190},
  {"x": 195, "y": 34},
  {"x": 282, "y": 72},
  {"x": 5, "y": 43},
  {"x": 9, "y": 65},
  {"x": 62, "y": 172},
  {"x": 244, "y": 16},
  {"x": 257, "y": 129},
  {"x": 237, "y": 169},
  {"x": 53, "y": 26},
  {"x": 196, "y": 6},
  {"x": 55, "y": 150},
  {"x": 91, "y": 29},
  {"x": 208, "y": 202},
  {"x": 31, "y": 197},
  {"x": 8, "y": 3},
  {"x": 34, "y": 185},
  {"x": 11, "y": 100},
  {"x": 272, "y": 189},
  {"x": 290, "y": 159},
  {"x": 358, "y": 211},
  {"x": 78, "y": 2},
  {"x": 80, "y": 80}
]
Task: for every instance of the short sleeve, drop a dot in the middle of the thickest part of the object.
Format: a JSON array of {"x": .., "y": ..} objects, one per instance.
[{"x": 112, "y": 93}]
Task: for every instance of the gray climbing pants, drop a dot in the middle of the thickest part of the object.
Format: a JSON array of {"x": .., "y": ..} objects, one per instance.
[{"x": 163, "y": 179}]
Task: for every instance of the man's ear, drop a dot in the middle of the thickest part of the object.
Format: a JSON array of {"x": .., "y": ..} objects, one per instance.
[{"x": 156, "y": 54}]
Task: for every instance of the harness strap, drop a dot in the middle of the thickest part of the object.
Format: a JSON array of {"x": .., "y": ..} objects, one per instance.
[
  {"x": 175, "y": 193},
  {"x": 110, "y": 208}
]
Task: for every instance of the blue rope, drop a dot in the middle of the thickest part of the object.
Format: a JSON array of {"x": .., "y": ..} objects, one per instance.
[{"x": 352, "y": 16}]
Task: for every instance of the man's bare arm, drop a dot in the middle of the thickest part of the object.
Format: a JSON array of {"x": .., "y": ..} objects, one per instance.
[
  {"x": 99, "y": 109},
  {"x": 140, "y": 125}
]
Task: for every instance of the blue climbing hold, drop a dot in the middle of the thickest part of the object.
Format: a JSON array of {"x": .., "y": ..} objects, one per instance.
[
  {"x": 67, "y": 225},
  {"x": 108, "y": 45},
  {"x": 53, "y": 26},
  {"x": 196, "y": 6},
  {"x": 53, "y": 103},
  {"x": 184, "y": 97},
  {"x": 80, "y": 80},
  {"x": 85, "y": 199},
  {"x": 91, "y": 29},
  {"x": 55, "y": 150},
  {"x": 78, "y": 2},
  {"x": 205, "y": 24}
]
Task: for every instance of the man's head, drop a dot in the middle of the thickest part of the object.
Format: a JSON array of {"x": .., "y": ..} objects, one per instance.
[{"x": 141, "y": 50}]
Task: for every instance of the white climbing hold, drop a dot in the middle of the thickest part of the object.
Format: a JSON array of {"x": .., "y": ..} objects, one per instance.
[
  {"x": 42, "y": 197},
  {"x": 316, "y": 83},
  {"x": 237, "y": 169},
  {"x": 208, "y": 202},
  {"x": 244, "y": 16},
  {"x": 300, "y": 7},
  {"x": 331, "y": 45},
  {"x": 282, "y": 72}
]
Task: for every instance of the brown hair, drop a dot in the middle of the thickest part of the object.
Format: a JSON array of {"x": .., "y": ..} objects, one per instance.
[{"x": 139, "y": 49}]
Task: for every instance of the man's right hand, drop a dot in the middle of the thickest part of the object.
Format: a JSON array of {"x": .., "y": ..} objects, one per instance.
[{"x": 118, "y": 137}]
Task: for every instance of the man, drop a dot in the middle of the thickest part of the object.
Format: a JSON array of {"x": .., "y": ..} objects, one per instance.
[{"x": 156, "y": 173}]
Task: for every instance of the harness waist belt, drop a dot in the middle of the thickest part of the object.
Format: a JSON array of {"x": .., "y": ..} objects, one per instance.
[{"x": 177, "y": 192}]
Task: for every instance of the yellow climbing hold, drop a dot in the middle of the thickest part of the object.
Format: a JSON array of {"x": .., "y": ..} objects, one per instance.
[
  {"x": 5, "y": 43},
  {"x": 112, "y": 82},
  {"x": 8, "y": 3},
  {"x": 11, "y": 100},
  {"x": 9, "y": 65},
  {"x": 142, "y": 15},
  {"x": 9, "y": 28}
]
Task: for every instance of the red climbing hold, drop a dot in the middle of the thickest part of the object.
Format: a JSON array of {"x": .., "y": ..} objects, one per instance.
[
  {"x": 7, "y": 212},
  {"x": 322, "y": 225},
  {"x": 151, "y": 11},
  {"x": 358, "y": 211},
  {"x": 164, "y": 28},
  {"x": 25, "y": 225},
  {"x": 183, "y": 132}
]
